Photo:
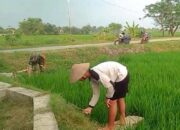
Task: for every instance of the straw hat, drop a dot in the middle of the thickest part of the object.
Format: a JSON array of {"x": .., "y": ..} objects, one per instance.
[{"x": 78, "y": 70}]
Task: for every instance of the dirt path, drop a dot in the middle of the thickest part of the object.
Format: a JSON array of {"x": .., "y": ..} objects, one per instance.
[{"x": 75, "y": 46}]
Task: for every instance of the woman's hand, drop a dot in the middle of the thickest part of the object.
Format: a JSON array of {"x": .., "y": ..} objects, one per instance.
[
  {"x": 108, "y": 102},
  {"x": 87, "y": 110}
]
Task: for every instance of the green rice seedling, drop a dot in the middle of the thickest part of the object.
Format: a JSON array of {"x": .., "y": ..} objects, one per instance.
[{"x": 153, "y": 91}]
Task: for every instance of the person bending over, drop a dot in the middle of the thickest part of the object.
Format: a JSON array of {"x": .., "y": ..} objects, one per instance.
[{"x": 114, "y": 77}]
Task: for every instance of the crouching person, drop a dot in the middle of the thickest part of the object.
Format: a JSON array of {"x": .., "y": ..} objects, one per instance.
[{"x": 37, "y": 63}]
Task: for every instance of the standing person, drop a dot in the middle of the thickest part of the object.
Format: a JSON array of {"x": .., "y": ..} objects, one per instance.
[{"x": 114, "y": 77}]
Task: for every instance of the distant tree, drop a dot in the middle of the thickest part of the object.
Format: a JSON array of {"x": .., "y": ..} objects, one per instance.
[
  {"x": 132, "y": 30},
  {"x": 86, "y": 29},
  {"x": 157, "y": 12},
  {"x": 65, "y": 29},
  {"x": 165, "y": 13},
  {"x": 1, "y": 30},
  {"x": 172, "y": 22},
  {"x": 75, "y": 30},
  {"x": 50, "y": 29},
  {"x": 106, "y": 30},
  {"x": 31, "y": 26},
  {"x": 115, "y": 28},
  {"x": 94, "y": 29},
  {"x": 100, "y": 28}
]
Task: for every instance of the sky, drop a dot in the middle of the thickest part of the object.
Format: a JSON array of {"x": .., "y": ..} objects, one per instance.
[{"x": 79, "y": 12}]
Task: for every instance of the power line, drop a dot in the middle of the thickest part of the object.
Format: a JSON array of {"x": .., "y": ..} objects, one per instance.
[
  {"x": 117, "y": 5},
  {"x": 133, "y": 11}
]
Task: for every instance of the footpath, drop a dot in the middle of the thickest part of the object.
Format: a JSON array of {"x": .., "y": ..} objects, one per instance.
[{"x": 77, "y": 46}]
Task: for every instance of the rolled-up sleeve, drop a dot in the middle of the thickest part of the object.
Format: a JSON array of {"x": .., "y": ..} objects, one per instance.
[{"x": 96, "y": 93}]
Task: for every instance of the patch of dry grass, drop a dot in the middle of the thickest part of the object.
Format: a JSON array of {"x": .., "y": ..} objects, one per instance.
[{"x": 15, "y": 115}]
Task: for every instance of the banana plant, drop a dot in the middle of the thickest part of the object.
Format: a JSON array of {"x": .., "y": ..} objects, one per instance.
[{"x": 132, "y": 30}]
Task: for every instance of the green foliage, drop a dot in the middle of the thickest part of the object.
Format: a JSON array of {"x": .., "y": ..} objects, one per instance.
[
  {"x": 166, "y": 14},
  {"x": 115, "y": 28},
  {"x": 35, "y": 26},
  {"x": 154, "y": 77},
  {"x": 132, "y": 30},
  {"x": 24, "y": 41},
  {"x": 12, "y": 38},
  {"x": 3, "y": 65},
  {"x": 50, "y": 29},
  {"x": 86, "y": 29},
  {"x": 31, "y": 26},
  {"x": 69, "y": 116},
  {"x": 1, "y": 30},
  {"x": 47, "y": 40}
]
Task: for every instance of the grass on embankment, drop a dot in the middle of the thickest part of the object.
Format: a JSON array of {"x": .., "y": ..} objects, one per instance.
[
  {"x": 15, "y": 115},
  {"x": 50, "y": 40},
  {"x": 25, "y": 41},
  {"x": 10, "y": 62},
  {"x": 154, "y": 92},
  {"x": 69, "y": 116}
]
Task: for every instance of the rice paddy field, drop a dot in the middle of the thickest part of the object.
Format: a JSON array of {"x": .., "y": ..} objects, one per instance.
[{"x": 154, "y": 90}]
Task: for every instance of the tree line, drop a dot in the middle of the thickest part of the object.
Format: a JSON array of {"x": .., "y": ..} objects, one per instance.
[
  {"x": 165, "y": 13},
  {"x": 35, "y": 26}
]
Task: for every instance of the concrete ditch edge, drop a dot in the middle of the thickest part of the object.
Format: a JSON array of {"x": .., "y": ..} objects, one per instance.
[{"x": 44, "y": 118}]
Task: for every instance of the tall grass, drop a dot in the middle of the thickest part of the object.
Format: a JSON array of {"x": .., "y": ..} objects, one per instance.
[
  {"x": 48, "y": 40},
  {"x": 25, "y": 41},
  {"x": 153, "y": 91}
]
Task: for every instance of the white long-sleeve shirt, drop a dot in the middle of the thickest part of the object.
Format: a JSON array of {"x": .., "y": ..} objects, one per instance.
[{"x": 107, "y": 71}]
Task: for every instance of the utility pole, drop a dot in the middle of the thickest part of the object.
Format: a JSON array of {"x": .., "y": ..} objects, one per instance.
[{"x": 68, "y": 1}]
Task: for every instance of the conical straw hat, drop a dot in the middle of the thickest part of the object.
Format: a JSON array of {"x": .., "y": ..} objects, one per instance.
[{"x": 78, "y": 70}]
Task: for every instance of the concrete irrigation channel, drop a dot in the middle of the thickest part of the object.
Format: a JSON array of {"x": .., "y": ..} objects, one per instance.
[{"x": 43, "y": 117}]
